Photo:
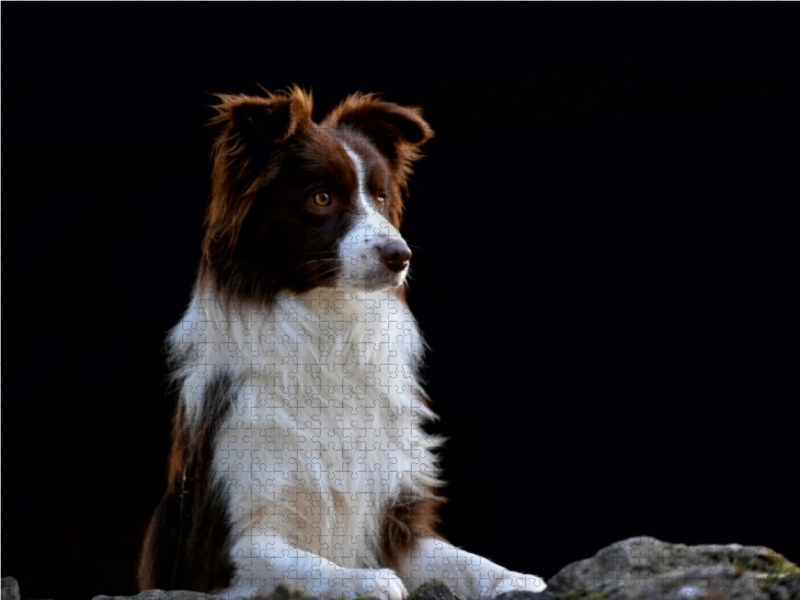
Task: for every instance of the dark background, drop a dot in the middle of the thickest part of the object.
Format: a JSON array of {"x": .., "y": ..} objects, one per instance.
[{"x": 605, "y": 265}]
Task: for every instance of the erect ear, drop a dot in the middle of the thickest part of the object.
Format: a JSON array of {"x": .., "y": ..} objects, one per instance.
[
  {"x": 253, "y": 119},
  {"x": 395, "y": 130},
  {"x": 251, "y": 128}
]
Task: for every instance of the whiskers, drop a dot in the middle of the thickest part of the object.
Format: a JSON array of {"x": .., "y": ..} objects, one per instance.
[
  {"x": 329, "y": 271},
  {"x": 329, "y": 262},
  {"x": 336, "y": 252},
  {"x": 318, "y": 261},
  {"x": 333, "y": 257}
]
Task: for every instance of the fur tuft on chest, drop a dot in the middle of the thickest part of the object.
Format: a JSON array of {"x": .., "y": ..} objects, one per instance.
[{"x": 314, "y": 407}]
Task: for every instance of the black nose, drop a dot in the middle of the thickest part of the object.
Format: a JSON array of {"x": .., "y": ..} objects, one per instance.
[{"x": 395, "y": 254}]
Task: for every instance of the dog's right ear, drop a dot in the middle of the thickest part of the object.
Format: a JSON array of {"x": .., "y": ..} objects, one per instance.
[
  {"x": 262, "y": 120},
  {"x": 251, "y": 129}
]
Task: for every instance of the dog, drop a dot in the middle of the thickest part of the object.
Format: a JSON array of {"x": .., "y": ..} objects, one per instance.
[{"x": 298, "y": 453}]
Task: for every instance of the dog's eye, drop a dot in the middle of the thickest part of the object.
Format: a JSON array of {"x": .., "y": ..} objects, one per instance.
[
  {"x": 322, "y": 199},
  {"x": 381, "y": 199}
]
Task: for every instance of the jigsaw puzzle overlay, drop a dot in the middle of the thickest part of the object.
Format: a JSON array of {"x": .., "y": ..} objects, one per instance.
[
  {"x": 325, "y": 392},
  {"x": 325, "y": 425},
  {"x": 299, "y": 453},
  {"x": 640, "y": 568}
]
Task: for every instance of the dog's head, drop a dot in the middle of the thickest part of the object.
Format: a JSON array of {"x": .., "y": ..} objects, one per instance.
[{"x": 297, "y": 205}]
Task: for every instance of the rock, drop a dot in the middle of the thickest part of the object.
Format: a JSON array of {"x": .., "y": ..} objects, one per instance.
[
  {"x": 519, "y": 596},
  {"x": 162, "y": 595},
  {"x": 10, "y": 589},
  {"x": 289, "y": 592},
  {"x": 639, "y": 568},
  {"x": 432, "y": 590},
  {"x": 645, "y": 568}
]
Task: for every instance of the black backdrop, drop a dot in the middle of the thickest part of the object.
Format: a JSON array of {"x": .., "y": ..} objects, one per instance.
[{"x": 604, "y": 232}]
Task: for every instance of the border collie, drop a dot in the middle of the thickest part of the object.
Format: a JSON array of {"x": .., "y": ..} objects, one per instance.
[{"x": 298, "y": 452}]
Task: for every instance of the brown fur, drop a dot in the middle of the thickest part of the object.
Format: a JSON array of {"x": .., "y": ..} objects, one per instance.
[
  {"x": 189, "y": 547},
  {"x": 397, "y": 131},
  {"x": 404, "y": 521},
  {"x": 256, "y": 225},
  {"x": 256, "y": 132}
]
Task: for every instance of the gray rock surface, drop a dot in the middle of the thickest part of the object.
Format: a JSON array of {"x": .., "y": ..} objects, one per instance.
[
  {"x": 162, "y": 595},
  {"x": 10, "y": 589},
  {"x": 640, "y": 568},
  {"x": 433, "y": 590},
  {"x": 645, "y": 568},
  {"x": 281, "y": 593}
]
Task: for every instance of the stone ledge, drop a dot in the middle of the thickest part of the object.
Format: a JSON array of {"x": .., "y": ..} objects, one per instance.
[{"x": 640, "y": 568}]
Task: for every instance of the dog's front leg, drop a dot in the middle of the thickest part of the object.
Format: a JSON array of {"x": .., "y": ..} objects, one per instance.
[
  {"x": 264, "y": 561},
  {"x": 464, "y": 573}
]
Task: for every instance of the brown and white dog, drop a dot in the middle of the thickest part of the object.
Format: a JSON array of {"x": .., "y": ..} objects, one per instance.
[{"x": 298, "y": 451}]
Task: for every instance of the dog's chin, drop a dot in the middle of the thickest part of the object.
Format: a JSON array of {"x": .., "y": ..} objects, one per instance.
[{"x": 374, "y": 279}]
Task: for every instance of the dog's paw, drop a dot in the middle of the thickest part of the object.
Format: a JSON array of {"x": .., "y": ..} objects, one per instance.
[
  {"x": 383, "y": 584},
  {"x": 390, "y": 585},
  {"x": 255, "y": 588},
  {"x": 333, "y": 584},
  {"x": 519, "y": 582}
]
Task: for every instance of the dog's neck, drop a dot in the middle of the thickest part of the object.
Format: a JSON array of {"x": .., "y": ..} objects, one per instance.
[
  {"x": 365, "y": 340},
  {"x": 327, "y": 317}
]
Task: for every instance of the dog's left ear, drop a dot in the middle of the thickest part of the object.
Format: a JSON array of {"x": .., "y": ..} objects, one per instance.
[{"x": 397, "y": 131}]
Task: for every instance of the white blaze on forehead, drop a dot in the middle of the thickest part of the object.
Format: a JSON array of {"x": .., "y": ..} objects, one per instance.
[
  {"x": 361, "y": 172},
  {"x": 360, "y": 248},
  {"x": 374, "y": 217}
]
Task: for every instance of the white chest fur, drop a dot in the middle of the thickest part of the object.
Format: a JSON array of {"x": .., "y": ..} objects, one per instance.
[{"x": 325, "y": 427}]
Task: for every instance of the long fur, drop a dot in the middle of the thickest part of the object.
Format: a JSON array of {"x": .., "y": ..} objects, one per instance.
[{"x": 298, "y": 444}]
